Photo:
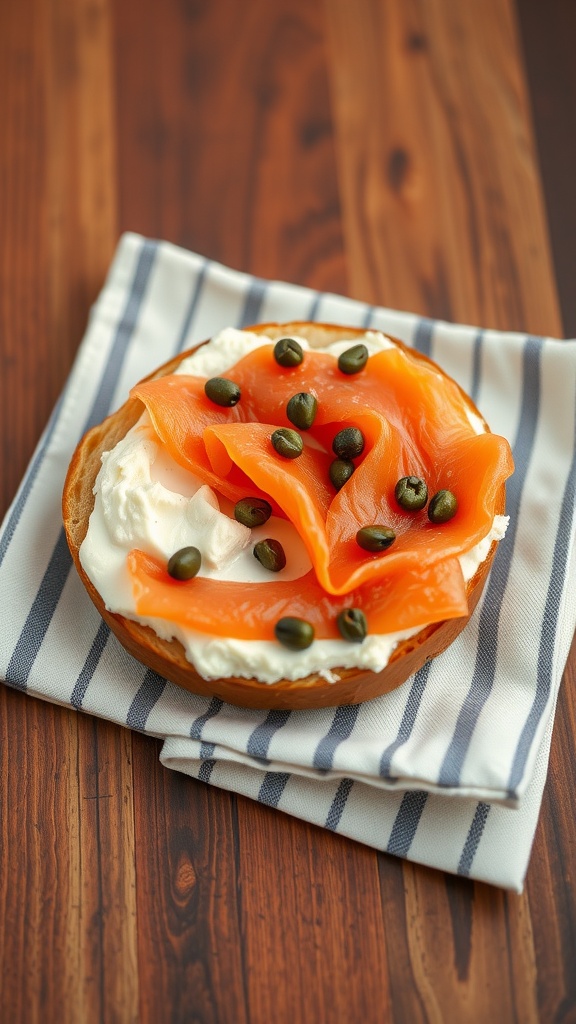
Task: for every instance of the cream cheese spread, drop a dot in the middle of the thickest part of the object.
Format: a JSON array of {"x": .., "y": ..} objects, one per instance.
[{"x": 145, "y": 500}]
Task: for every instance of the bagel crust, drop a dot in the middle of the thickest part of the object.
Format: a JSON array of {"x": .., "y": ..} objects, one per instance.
[{"x": 168, "y": 658}]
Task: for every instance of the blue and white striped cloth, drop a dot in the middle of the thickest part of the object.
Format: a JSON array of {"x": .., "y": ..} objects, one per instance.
[{"x": 449, "y": 769}]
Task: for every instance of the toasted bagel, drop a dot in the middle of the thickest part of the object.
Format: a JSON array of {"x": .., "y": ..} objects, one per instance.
[{"x": 168, "y": 658}]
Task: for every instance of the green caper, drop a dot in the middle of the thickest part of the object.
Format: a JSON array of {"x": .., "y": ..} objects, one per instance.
[
  {"x": 185, "y": 563},
  {"x": 348, "y": 443},
  {"x": 353, "y": 359},
  {"x": 443, "y": 506},
  {"x": 222, "y": 391},
  {"x": 375, "y": 538},
  {"x": 252, "y": 511},
  {"x": 352, "y": 625},
  {"x": 301, "y": 410},
  {"x": 287, "y": 442},
  {"x": 296, "y": 634},
  {"x": 411, "y": 493},
  {"x": 288, "y": 352},
  {"x": 340, "y": 472},
  {"x": 270, "y": 554}
]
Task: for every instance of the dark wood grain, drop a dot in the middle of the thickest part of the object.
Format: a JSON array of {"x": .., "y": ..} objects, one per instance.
[
  {"x": 548, "y": 43},
  {"x": 189, "y": 920},
  {"x": 436, "y": 157},
  {"x": 67, "y": 899},
  {"x": 383, "y": 150},
  {"x": 312, "y": 921},
  {"x": 459, "y": 934},
  {"x": 58, "y": 204},
  {"x": 226, "y": 145}
]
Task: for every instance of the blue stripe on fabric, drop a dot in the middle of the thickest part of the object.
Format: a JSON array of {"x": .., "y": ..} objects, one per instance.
[
  {"x": 487, "y": 646},
  {"x": 198, "y": 724},
  {"x": 124, "y": 332},
  {"x": 272, "y": 788},
  {"x": 253, "y": 303},
  {"x": 54, "y": 580},
  {"x": 260, "y": 738},
  {"x": 422, "y": 340},
  {"x": 90, "y": 665},
  {"x": 149, "y": 693},
  {"x": 473, "y": 838},
  {"x": 28, "y": 483},
  {"x": 206, "y": 769},
  {"x": 338, "y": 804},
  {"x": 40, "y": 615},
  {"x": 406, "y": 823},
  {"x": 342, "y": 725},
  {"x": 206, "y": 749},
  {"x": 367, "y": 318},
  {"x": 315, "y": 306},
  {"x": 408, "y": 719},
  {"x": 476, "y": 363},
  {"x": 549, "y": 627},
  {"x": 192, "y": 306}
]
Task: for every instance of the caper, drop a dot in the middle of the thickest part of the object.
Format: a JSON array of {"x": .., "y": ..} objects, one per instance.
[
  {"x": 443, "y": 506},
  {"x": 353, "y": 359},
  {"x": 301, "y": 410},
  {"x": 411, "y": 493},
  {"x": 348, "y": 443},
  {"x": 288, "y": 352},
  {"x": 287, "y": 442},
  {"x": 352, "y": 625},
  {"x": 270, "y": 554},
  {"x": 252, "y": 511},
  {"x": 222, "y": 391},
  {"x": 185, "y": 563},
  {"x": 340, "y": 472},
  {"x": 296, "y": 634},
  {"x": 375, "y": 538}
]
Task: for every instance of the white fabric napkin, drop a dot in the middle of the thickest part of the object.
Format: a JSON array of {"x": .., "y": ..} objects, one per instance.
[{"x": 447, "y": 770}]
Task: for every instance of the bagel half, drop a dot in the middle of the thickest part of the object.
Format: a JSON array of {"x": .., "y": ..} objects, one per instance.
[{"x": 168, "y": 659}]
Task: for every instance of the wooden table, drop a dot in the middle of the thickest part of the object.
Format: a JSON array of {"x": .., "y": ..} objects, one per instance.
[{"x": 415, "y": 154}]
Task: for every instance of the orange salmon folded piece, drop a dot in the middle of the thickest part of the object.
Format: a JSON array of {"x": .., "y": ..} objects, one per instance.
[
  {"x": 250, "y": 611},
  {"x": 414, "y": 422},
  {"x": 180, "y": 411},
  {"x": 329, "y": 528}
]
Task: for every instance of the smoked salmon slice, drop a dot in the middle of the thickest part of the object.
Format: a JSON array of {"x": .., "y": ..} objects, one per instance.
[
  {"x": 180, "y": 412},
  {"x": 244, "y": 612},
  {"x": 414, "y": 422}
]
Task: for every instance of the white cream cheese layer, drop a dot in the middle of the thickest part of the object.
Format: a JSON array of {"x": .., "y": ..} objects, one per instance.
[{"x": 143, "y": 499}]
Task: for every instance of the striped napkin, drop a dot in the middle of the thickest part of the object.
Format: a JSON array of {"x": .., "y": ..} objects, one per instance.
[{"x": 447, "y": 770}]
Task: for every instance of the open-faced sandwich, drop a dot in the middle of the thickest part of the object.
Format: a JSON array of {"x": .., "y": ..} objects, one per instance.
[{"x": 291, "y": 516}]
